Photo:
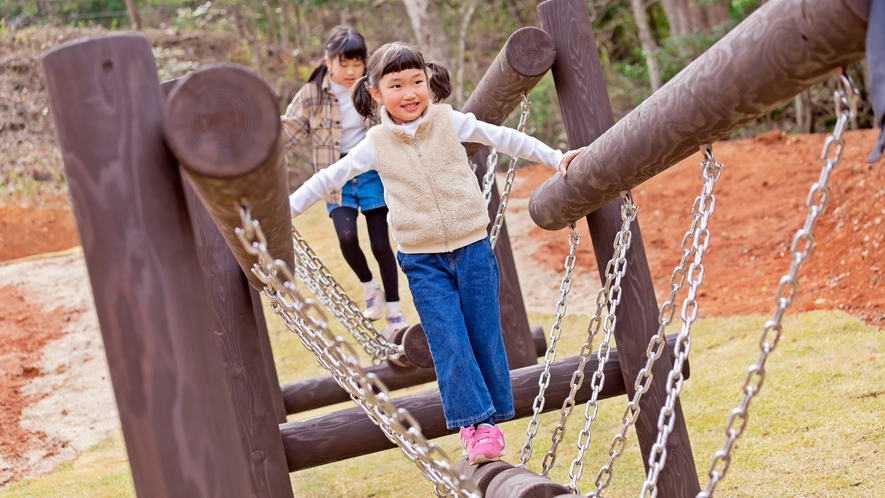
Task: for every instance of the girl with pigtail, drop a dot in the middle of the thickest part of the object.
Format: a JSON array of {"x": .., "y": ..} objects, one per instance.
[
  {"x": 323, "y": 108},
  {"x": 438, "y": 218}
]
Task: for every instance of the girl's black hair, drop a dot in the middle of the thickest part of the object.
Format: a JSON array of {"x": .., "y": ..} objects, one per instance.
[
  {"x": 344, "y": 43},
  {"x": 393, "y": 58}
]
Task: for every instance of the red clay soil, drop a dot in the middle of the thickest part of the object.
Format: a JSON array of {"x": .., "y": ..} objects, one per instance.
[
  {"x": 760, "y": 203},
  {"x": 29, "y": 230},
  {"x": 25, "y": 329}
]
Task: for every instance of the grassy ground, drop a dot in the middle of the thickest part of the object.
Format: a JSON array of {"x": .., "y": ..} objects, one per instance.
[{"x": 816, "y": 429}]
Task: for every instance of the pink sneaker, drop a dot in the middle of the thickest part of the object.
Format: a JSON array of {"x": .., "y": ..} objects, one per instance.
[
  {"x": 467, "y": 438},
  {"x": 487, "y": 444}
]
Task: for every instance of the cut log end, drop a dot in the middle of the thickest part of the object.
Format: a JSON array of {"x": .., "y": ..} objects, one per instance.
[
  {"x": 222, "y": 121},
  {"x": 530, "y": 51}
]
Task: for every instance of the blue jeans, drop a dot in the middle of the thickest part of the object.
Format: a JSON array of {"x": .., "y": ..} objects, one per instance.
[
  {"x": 456, "y": 296},
  {"x": 362, "y": 192}
]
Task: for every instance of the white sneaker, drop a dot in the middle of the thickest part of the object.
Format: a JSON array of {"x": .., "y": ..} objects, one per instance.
[
  {"x": 396, "y": 321},
  {"x": 375, "y": 303}
]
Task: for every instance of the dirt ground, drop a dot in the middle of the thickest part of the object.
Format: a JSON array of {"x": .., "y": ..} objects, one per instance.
[{"x": 759, "y": 206}]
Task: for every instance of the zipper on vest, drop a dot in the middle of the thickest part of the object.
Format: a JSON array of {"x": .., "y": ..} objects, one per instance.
[{"x": 433, "y": 191}]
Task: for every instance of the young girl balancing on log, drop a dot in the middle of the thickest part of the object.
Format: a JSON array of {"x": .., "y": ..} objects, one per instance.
[
  {"x": 324, "y": 107},
  {"x": 438, "y": 218}
]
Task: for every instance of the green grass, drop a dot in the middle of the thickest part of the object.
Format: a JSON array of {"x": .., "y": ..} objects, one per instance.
[{"x": 815, "y": 430}]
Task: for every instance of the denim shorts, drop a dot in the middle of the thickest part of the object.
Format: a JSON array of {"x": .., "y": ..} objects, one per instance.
[{"x": 362, "y": 192}]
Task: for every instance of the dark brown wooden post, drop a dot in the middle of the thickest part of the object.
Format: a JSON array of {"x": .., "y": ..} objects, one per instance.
[
  {"x": 279, "y": 405},
  {"x": 223, "y": 125},
  {"x": 523, "y": 483},
  {"x": 236, "y": 330},
  {"x": 521, "y": 63},
  {"x": 586, "y": 112},
  {"x": 780, "y": 50},
  {"x": 178, "y": 420}
]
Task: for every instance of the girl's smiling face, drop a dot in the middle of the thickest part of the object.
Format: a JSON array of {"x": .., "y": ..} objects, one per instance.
[
  {"x": 345, "y": 72},
  {"x": 404, "y": 94}
]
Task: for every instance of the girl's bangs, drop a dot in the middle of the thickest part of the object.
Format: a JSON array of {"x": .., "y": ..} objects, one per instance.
[
  {"x": 402, "y": 58},
  {"x": 351, "y": 47}
]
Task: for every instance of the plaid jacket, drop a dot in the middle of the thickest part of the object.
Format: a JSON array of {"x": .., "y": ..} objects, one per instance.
[{"x": 317, "y": 113}]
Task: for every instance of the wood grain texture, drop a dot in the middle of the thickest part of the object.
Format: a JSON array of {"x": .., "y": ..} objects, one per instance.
[
  {"x": 222, "y": 123},
  {"x": 320, "y": 391},
  {"x": 349, "y": 433},
  {"x": 481, "y": 475},
  {"x": 523, "y": 483},
  {"x": 180, "y": 426},
  {"x": 237, "y": 331},
  {"x": 780, "y": 50},
  {"x": 587, "y": 114},
  {"x": 518, "y": 67},
  {"x": 267, "y": 352}
]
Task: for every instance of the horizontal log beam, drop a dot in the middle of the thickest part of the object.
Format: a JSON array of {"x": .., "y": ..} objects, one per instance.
[
  {"x": 780, "y": 50},
  {"x": 322, "y": 390},
  {"x": 223, "y": 125},
  {"x": 350, "y": 433}
]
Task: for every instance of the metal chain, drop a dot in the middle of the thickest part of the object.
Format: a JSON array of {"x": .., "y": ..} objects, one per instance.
[
  {"x": 608, "y": 298},
  {"x": 699, "y": 235},
  {"x": 308, "y": 321},
  {"x": 329, "y": 292},
  {"x": 489, "y": 178},
  {"x": 565, "y": 286},
  {"x": 526, "y": 106},
  {"x": 846, "y": 97}
]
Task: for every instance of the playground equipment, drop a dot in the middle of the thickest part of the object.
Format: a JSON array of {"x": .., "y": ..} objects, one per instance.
[{"x": 199, "y": 401}]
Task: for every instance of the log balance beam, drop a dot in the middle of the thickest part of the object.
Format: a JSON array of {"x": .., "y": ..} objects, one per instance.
[
  {"x": 780, "y": 50},
  {"x": 349, "y": 433}
]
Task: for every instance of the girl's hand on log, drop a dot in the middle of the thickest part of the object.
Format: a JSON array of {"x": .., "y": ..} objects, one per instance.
[{"x": 567, "y": 158}]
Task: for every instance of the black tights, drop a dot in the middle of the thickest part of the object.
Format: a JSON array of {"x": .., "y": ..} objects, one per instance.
[{"x": 344, "y": 219}]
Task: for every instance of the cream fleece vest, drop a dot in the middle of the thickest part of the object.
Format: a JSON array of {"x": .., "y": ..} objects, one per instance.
[{"x": 434, "y": 200}]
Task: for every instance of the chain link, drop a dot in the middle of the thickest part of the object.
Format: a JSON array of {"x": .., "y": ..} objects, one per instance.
[
  {"x": 329, "y": 292},
  {"x": 607, "y": 299},
  {"x": 303, "y": 317},
  {"x": 699, "y": 236},
  {"x": 574, "y": 239},
  {"x": 846, "y": 98},
  {"x": 526, "y": 106}
]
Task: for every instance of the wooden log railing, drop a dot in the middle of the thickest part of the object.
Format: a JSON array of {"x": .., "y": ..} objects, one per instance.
[
  {"x": 323, "y": 390},
  {"x": 587, "y": 113},
  {"x": 179, "y": 423},
  {"x": 349, "y": 433},
  {"x": 780, "y": 50},
  {"x": 223, "y": 125}
]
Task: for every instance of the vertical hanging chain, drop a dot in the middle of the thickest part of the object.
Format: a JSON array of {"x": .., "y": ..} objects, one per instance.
[
  {"x": 526, "y": 106},
  {"x": 700, "y": 240},
  {"x": 304, "y": 318},
  {"x": 565, "y": 285},
  {"x": 846, "y": 97},
  {"x": 608, "y": 298},
  {"x": 329, "y": 292}
]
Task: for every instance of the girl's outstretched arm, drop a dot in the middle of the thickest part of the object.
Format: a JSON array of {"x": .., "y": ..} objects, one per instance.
[
  {"x": 505, "y": 140},
  {"x": 360, "y": 159}
]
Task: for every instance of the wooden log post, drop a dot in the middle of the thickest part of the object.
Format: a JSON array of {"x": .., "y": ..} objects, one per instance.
[
  {"x": 522, "y": 62},
  {"x": 179, "y": 423},
  {"x": 780, "y": 50},
  {"x": 223, "y": 125},
  {"x": 240, "y": 331},
  {"x": 349, "y": 433},
  {"x": 481, "y": 475},
  {"x": 323, "y": 390},
  {"x": 267, "y": 352},
  {"x": 587, "y": 114}
]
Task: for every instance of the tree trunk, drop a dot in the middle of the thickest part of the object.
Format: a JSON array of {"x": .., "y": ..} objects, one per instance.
[
  {"x": 716, "y": 13},
  {"x": 649, "y": 47},
  {"x": 238, "y": 21},
  {"x": 675, "y": 18},
  {"x": 134, "y": 16},
  {"x": 48, "y": 8},
  {"x": 271, "y": 29},
  {"x": 284, "y": 24},
  {"x": 462, "y": 34},
  {"x": 428, "y": 33}
]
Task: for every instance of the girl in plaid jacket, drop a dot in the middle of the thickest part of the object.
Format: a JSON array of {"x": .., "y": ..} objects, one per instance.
[{"x": 323, "y": 108}]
